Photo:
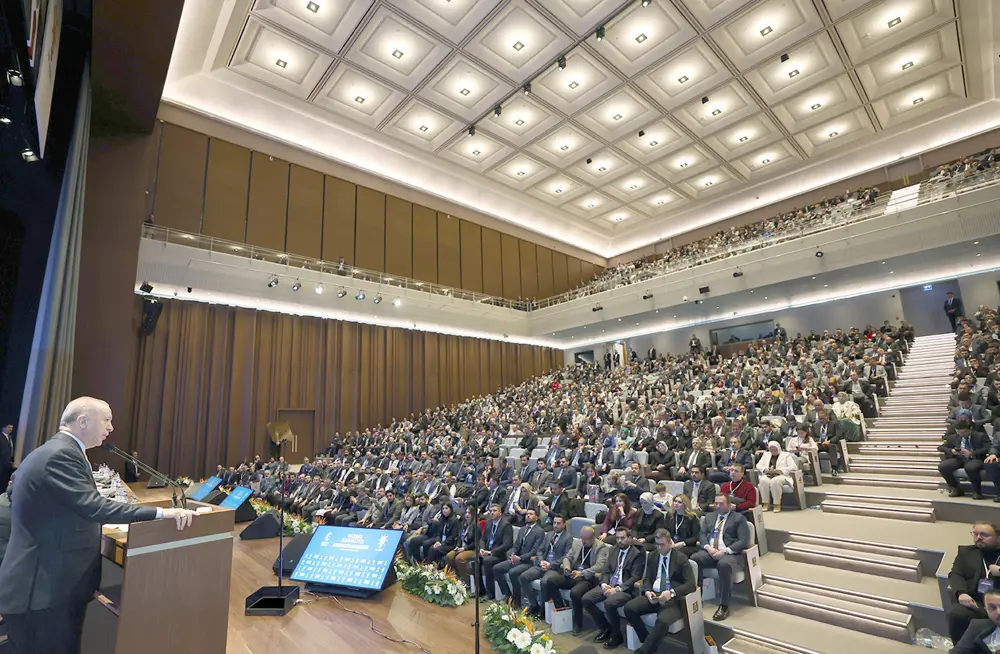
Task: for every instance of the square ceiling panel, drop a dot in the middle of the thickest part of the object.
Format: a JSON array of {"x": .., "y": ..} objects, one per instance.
[
  {"x": 563, "y": 145},
  {"x": 708, "y": 184},
  {"x": 710, "y": 12},
  {"x": 327, "y": 23},
  {"x": 931, "y": 94},
  {"x": 653, "y": 141},
  {"x": 819, "y": 103},
  {"x": 581, "y": 16},
  {"x": 836, "y": 133},
  {"x": 591, "y": 204},
  {"x": 890, "y": 23},
  {"x": 351, "y": 93},
  {"x": 715, "y": 111},
  {"x": 685, "y": 163},
  {"x": 621, "y": 113},
  {"x": 477, "y": 152},
  {"x": 658, "y": 203},
  {"x": 275, "y": 59},
  {"x": 558, "y": 189},
  {"x": 807, "y": 64},
  {"x": 572, "y": 88},
  {"x": 452, "y": 19},
  {"x": 394, "y": 48},
  {"x": 767, "y": 30},
  {"x": 521, "y": 120},
  {"x": 641, "y": 35},
  {"x": 926, "y": 56},
  {"x": 766, "y": 161},
  {"x": 685, "y": 76},
  {"x": 422, "y": 126},
  {"x": 619, "y": 216},
  {"x": 600, "y": 167},
  {"x": 745, "y": 136},
  {"x": 520, "y": 171},
  {"x": 517, "y": 41},
  {"x": 633, "y": 185},
  {"x": 464, "y": 89}
]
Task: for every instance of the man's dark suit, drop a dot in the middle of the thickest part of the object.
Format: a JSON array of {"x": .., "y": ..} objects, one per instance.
[
  {"x": 525, "y": 545},
  {"x": 53, "y": 562},
  {"x": 6, "y": 461},
  {"x": 706, "y": 494},
  {"x": 553, "y": 549},
  {"x": 830, "y": 443},
  {"x": 973, "y": 642},
  {"x": 736, "y": 537},
  {"x": 498, "y": 542},
  {"x": 963, "y": 579},
  {"x": 954, "y": 309},
  {"x": 682, "y": 582},
  {"x": 952, "y": 462},
  {"x": 631, "y": 566}
]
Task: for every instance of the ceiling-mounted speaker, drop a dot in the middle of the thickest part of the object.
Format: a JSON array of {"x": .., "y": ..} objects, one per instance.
[{"x": 704, "y": 290}]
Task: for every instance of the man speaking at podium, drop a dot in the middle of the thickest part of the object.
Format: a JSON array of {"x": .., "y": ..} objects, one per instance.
[{"x": 53, "y": 562}]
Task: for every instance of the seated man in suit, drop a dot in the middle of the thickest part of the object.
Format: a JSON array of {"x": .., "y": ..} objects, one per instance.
[
  {"x": 635, "y": 481},
  {"x": 520, "y": 558},
  {"x": 975, "y": 569},
  {"x": 734, "y": 455},
  {"x": 618, "y": 580},
  {"x": 497, "y": 539},
  {"x": 826, "y": 433},
  {"x": 700, "y": 490},
  {"x": 581, "y": 570},
  {"x": 860, "y": 391},
  {"x": 982, "y": 636},
  {"x": 548, "y": 558},
  {"x": 965, "y": 449},
  {"x": 557, "y": 505},
  {"x": 724, "y": 535},
  {"x": 966, "y": 411},
  {"x": 667, "y": 580},
  {"x": 697, "y": 456}
]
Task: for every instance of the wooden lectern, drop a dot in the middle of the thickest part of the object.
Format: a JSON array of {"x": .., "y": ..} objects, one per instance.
[{"x": 163, "y": 591}]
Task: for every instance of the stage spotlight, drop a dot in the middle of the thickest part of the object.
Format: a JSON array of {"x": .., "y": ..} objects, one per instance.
[
  {"x": 146, "y": 287},
  {"x": 738, "y": 273},
  {"x": 685, "y": 298},
  {"x": 561, "y": 62},
  {"x": 497, "y": 110},
  {"x": 272, "y": 281},
  {"x": 697, "y": 301},
  {"x": 297, "y": 285},
  {"x": 600, "y": 34},
  {"x": 342, "y": 292},
  {"x": 819, "y": 254},
  {"x": 597, "y": 308},
  {"x": 397, "y": 302},
  {"x": 378, "y": 299},
  {"x": 647, "y": 295},
  {"x": 472, "y": 130},
  {"x": 360, "y": 295},
  {"x": 526, "y": 88}
]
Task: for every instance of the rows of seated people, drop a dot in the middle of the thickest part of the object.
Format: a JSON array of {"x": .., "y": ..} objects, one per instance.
[{"x": 670, "y": 443}]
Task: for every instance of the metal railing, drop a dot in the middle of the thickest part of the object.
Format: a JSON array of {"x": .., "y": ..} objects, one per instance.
[{"x": 343, "y": 274}]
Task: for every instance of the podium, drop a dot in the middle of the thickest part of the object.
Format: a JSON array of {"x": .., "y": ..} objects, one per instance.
[{"x": 162, "y": 590}]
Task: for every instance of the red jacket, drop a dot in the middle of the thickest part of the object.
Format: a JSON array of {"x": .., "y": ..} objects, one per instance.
[{"x": 745, "y": 490}]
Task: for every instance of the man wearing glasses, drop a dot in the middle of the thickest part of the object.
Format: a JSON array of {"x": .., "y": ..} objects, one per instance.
[{"x": 976, "y": 571}]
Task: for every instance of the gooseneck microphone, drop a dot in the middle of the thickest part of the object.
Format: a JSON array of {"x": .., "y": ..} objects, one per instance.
[{"x": 153, "y": 474}]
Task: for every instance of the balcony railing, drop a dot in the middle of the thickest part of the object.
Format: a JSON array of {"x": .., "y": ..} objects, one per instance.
[{"x": 342, "y": 274}]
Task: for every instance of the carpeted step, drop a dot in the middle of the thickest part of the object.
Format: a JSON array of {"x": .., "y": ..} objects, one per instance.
[
  {"x": 858, "y": 556},
  {"x": 879, "y": 510},
  {"x": 888, "y": 480}
]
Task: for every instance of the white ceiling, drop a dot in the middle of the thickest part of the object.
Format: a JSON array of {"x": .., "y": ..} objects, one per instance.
[{"x": 392, "y": 87}]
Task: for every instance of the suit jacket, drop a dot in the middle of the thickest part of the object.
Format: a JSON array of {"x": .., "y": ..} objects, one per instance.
[
  {"x": 706, "y": 494},
  {"x": 561, "y": 508},
  {"x": 978, "y": 442},
  {"x": 6, "y": 455},
  {"x": 735, "y": 533},
  {"x": 499, "y": 496},
  {"x": 559, "y": 543},
  {"x": 527, "y": 542},
  {"x": 966, "y": 572},
  {"x": 54, "y": 554},
  {"x": 598, "y": 558},
  {"x": 4, "y": 524},
  {"x": 743, "y": 457},
  {"x": 503, "y": 540},
  {"x": 682, "y": 579},
  {"x": 631, "y": 569},
  {"x": 973, "y": 642},
  {"x": 703, "y": 459},
  {"x": 832, "y": 431},
  {"x": 541, "y": 480},
  {"x": 956, "y": 309}
]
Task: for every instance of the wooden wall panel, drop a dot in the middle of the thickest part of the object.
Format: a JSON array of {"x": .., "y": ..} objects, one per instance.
[
  {"x": 369, "y": 246},
  {"x": 472, "y": 256},
  {"x": 425, "y": 259},
  {"x": 559, "y": 279},
  {"x": 267, "y": 214},
  {"x": 573, "y": 272},
  {"x": 543, "y": 257},
  {"x": 492, "y": 263},
  {"x": 305, "y": 213},
  {"x": 529, "y": 270},
  {"x": 586, "y": 271},
  {"x": 510, "y": 255},
  {"x": 398, "y": 237},
  {"x": 226, "y": 185},
  {"x": 339, "y": 225},
  {"x": 449, "y": 251},
  {"x": 180, "y": 179}
]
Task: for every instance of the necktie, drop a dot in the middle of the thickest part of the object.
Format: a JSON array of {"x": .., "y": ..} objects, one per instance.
[
  {"x": 664, "y": 577},
  {"x": 718, "y": 532}
]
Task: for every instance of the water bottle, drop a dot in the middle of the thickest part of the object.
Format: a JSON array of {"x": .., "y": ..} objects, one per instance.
[{"x": 924, "y": 638}]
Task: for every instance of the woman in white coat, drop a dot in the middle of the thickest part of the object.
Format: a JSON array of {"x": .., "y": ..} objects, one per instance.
[{"x": 775, "y": 468}]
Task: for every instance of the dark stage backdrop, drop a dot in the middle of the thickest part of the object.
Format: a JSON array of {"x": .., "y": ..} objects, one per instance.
[{"x": 204, "y": 385}]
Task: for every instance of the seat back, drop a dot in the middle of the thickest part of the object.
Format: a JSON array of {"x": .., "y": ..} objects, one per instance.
[{"x": 576, "y": 525}]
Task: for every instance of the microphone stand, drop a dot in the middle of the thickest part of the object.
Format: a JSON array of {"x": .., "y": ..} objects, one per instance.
[
  {"x": 153, "y": 474},
  {"x": 478, "y": 565}
]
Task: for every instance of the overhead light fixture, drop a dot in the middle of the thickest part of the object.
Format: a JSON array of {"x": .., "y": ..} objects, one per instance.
[
  {"x": 14, "y": 78},
  {"x": 396, "y": 302},
  {"x": 423, "y": 128},
  {"x": 645, "y": 3},
  {"x": 146, "y": 287},
  {"x": 476, "y": 153},
  {"x": 5, "y": 120},
  {"x": 519, "y": 122},
  {"x": 601, "y": 169},
  {"x": 297, "y": 285},
  {"x": 497, "y": 110},
  {"x": 600, "y": 34},
  {"x": 573, "y": 84},
  {"x": 472, "y": 130},
  {"x": 716, "y": 112},
  {"x": 360, "y": 295},
  {"x": 743, "y": 138},
  {"x": 342, "y": 292},
  {"x": 738, "y": 273},
  {"x": 359, "y": 99},
  {"x": 682, "y": 79},
  {"x": 465, "y": 91},
  {"x": 313, "y": 7},
  {"x": 833, "y": 134},
  {"x": 709, "y": 183},
  {"x": 793, "y": 72},
  {"x": 520, "y": 173},
  {"x": 704, "y": 99},
  {"x": 634, "y": 186},
  {"x": 29, "y": 155},
  {"x": 640, "y": 38},
  {"x": 653, "y": 144},
  {"x": 765, "y": 161},
  {"x": 617, "y": 116},
  {"x": 819, "y": 254},
  {"x": 558, "y": 190},
  {"x": 683, "y": 164},
  {"x": 319, "y": 289},
  {"x": 597, "y": 308},
  {"x": 281, "y": 63},
  {"x": 767, "y": 30},
  {"x": 526, "y": 88},
  {"x": 908, "y": 64},
  {"x": 815, "y": 106},
  {"x": 564, "y": 147},
  {"x": 272, "y": 281},
  {"x": 398, "y": 54},
  {"x": 518, "y": 46},
  {"x": 895, "y": 21},
  {"x": 647, "y": 295},
  {"x": 378, "y": 299},
  {"x": 561, "y": 62},
  {"x": 918, "y": 100},
  {"x": 784, "y": 57}
]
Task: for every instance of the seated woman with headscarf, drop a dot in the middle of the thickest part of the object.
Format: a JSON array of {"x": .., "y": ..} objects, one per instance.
[
  {"x": 647, "y": 520},
  {"x": 660, "y": 462}
]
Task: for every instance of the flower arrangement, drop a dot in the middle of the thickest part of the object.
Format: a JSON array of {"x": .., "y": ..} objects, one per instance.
[
  {"x": 185, "y": 481},
  {"x": 294, "y": 525},
  {"x": 513, "y": 632},
  {"x": 440, "y": 587}
]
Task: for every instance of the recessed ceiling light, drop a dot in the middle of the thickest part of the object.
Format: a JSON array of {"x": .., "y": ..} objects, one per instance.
[
  {"x": 891, "y": 272},
  {"x": 558, "y": 190},
  {"x": 833, "y": 134},
  {"x": 476, "y": 152},
  {"x": 590, "y": 205},
  {"x": 683, "y": 164},
  {"x": 465, "y": 91},
  {"x": 423, "y": 128},
  {"x": 717, "y": 112},
  {"x": 826, "y": 286},
  {"x": 640, "y": 38},
  {"x": 813, "y": 277},
  {"x": 398, "y": 54},
  {"x": 518, "y": 46},
  {"x": 793, "y": 73},
  {"x": 975, "y": 242},
  {"x": 767, "y": 30},
  {"x": 979, "y": 254},
  {"x": 564, "y": 147},
  {"x": 312, "y": 6},
  {"x": 918, "y": 100},
  {"x": 883, "y": 263},
  {"x": 765, "y": 297},
  {"x": 653, "y": 144},
  {"x": 520, "y": 173},
  {"x": 601, "y": 169},
  {"x": 708, "y": 183},
  {"x": 816, "y": 106},
  {"x": 519, "y": 122},
  {"x": 895, "y": 21},
  {"x": 573, "y": 84},
  {"x": 634, "y": 186},
  {"x": 682, "y": 79},
  {"x": 5, "y": 120},
  {"x": 281, "y": 63},
  {"x": 765, "y": 161},
  {"x": 743, "y": 138},
  {"x": 908, "y": 64},
  {"x": 617, "y": 116},
  {"x": 359, "y": 99}
]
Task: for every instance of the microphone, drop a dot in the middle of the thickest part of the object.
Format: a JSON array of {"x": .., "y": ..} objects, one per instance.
[{"x": 152, "y": 472}]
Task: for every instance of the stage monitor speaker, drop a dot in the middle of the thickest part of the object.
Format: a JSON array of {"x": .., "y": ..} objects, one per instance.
[
  {"x": 704, "y": 290},
  {"x": 266, "y": 526},
  {"x": 156, "y": 482},
  {"x": 291, "y": 554},
  {"x": 216, "y": 497},
  {"x": 245, "y": 513}
]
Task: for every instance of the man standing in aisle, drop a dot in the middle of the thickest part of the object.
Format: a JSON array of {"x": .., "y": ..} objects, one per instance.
[
  {"x": 53, "y": 562},
  {"x": 953, "y": 308},
  {"x": 6, "y": 455}
]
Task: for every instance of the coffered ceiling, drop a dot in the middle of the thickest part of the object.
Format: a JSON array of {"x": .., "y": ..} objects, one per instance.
[{"x": 685, "y": 111}]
